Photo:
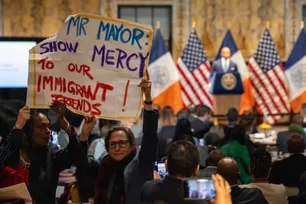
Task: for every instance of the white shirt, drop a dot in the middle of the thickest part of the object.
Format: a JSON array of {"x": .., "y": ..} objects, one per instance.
[
  {"x": 273, "y": 193},
  {"x": 225, "y": 64}
]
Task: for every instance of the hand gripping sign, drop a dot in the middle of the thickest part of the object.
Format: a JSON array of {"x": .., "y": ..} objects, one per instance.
[{"x": 93, "y": 65}]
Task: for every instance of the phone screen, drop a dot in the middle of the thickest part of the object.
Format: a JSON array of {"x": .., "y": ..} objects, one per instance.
[
  {"x": 161, "y": 168},
  {"x": 199, "y": 189},
  {"x": 201, "y": 142}
]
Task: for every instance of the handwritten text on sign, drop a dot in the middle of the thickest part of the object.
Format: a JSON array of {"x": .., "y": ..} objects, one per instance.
[{"x": 93, "y": 64}]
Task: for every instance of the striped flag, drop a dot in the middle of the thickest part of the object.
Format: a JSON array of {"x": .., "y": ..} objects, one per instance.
[
  {"x": 247, "y": 99},
  {"x": 166, "y": 90},
  {"x": 268, "y": 79},
  {"x": 194, "y": 70},
  {"x": 295, "y": 69}
]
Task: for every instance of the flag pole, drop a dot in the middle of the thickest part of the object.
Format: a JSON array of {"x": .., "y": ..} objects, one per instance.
[
  {"x": 194, "y": 23},
  {"x": 157, "y": 24},
  {"x": 302, "y": 25},
  {"x": 268, "y": 24}
]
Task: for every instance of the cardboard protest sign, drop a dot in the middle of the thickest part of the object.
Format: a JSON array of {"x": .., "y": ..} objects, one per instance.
[{"x": 93, "y": 65}]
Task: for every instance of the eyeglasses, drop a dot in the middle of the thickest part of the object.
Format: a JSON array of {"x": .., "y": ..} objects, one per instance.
[{"x": 121, "y": 143}]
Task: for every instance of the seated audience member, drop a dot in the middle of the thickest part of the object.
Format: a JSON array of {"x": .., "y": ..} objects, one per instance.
[
  {"x": 232, "y": 117},
  {"x": 260, "y": 167},
  {"x": 182, "y": 162},
  {"x": 183, "y": 131},
  {"x": 121, "y": 174},
  {"x": 301, "y": 197},
  {"x": 247, "y": 121},
  {"x": 289, "y": 170},
  {"x": 219, "y": 130},
  {"x": 228, "y": 169},
  {"x": 192, "y": 112},
  {"x": 38, "y": 163},
  {"x": 211, "y": 163},
  {"x": 211, "y": 141},
  {"x": 296, "y": 127},
  {"x": 167, "y": 121},
  {"x": 202, "y": 123},
  {"x": 237, "y": 150}
]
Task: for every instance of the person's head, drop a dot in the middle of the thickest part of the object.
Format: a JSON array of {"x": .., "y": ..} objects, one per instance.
[
  {"x": 226, "y": 52},
  {"x": 183, "y": 127},
  {"x": 204, "y": 112},
  {"x": 296, "y": 144},
  {"x": 192, "y": 109},
  {"x": 37, "y": 129},
  {"x": 183, "y": 160},
  {"x": 232, "y": 115},
  {"x": 303, "y": 110},
  {"x": 214, "y": 157},
  {"x": 260, "y": 163},
  {"x": 228, "y": 169},
  {"x": 297, "y": 119},
  {"x": 211, "y": 139},
  {"x": 120, "y": 142},
  {"x": 218, "y": 130},
  {"x": 247, "y": 120},
  {"x": 238, "y": 133},
  {"x": 167, "y": 116}
]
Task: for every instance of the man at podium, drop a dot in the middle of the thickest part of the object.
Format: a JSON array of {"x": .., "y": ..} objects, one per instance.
[{"x": 224, "y": 64}]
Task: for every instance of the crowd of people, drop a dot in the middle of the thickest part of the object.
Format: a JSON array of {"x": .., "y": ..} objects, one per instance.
[{"x": 116, "y": 163}]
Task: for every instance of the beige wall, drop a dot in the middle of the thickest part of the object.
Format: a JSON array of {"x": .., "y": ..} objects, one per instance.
[{"x": 247, "y": 19}]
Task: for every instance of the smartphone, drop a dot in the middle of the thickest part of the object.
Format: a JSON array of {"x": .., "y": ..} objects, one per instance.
[
  {"x": 161, "y": 169},
  {"x": 199, "y": 189},
  {"x": 201, "y": 142}
]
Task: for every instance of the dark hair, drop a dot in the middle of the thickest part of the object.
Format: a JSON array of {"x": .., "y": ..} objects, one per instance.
[
  {"x": 214, "y": 157},
  {"x": 247, "y": 120},
  {"x": 211, "y": 138},
  {"x": 29, "y": 126},
  {"x": 296, "y": 144},
  {"x": 126, "y": 130},
  {"x": 260, "y": 163},
  {"x": 232, "y": 115},
  {"x": 192, "y": 109},
  {"x": 183, "y": 159},
  {"x": 238, "y": 133},
  {"x": 183, "y": 127},
  {"x": 203, "y": 110}
]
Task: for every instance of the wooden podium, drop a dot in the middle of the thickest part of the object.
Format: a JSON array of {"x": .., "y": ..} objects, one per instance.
[{"x": 226, "y": 89}]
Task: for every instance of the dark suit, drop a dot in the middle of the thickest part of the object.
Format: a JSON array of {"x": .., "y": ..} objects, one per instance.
[
  {"x": 200, "y": 127},
  {"x": 247, "y": 196},
  {"x": 288, "y": 171},
  {"x": 169, "y": 191},
  {"x": 283, "y": 137},
  {"x": 217, "y": 67}
]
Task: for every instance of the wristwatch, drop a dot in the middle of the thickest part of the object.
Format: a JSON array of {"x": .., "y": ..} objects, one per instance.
[{"x": 148, "y": 102}]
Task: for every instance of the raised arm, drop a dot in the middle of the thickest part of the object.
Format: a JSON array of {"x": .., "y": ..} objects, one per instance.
[
  {"x": 148, "y": 150},
  {"x": 77, "y": 147}
]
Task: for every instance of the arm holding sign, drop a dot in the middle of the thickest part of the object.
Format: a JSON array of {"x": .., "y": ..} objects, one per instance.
[{"x": 70, "y": 155}]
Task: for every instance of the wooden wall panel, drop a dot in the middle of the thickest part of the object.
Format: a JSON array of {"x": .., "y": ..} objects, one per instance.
[
  {"x": 247, "y": 22},
  {"x": 41, "y": 17}
]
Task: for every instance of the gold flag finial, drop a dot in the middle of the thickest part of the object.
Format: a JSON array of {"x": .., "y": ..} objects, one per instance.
[
  {"x": 157, "y": 24},
  {"x": 268, "y": 24},
  {"x": 302, "y": 24},
  {"x": 194, "y": 23}
]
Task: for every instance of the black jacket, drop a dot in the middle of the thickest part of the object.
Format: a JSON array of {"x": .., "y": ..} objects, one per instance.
[
  {"x": 247, "y": 196},
  {"x": 140, "y": 169},
  {"x": 46, "y": 164}
]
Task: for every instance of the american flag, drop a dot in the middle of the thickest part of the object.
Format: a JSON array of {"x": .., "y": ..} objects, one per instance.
[
  {"x": 194, "y": 70},
  {"x": 268, "y": 79}
]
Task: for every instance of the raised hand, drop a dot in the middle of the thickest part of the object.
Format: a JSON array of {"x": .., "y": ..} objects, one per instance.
[
  {"x": 23, "y": 116},
  {"x": 223, "y": 189},
  {"x": 145, "y": 85},
  {"x": 87, "y": 127},
  {"x": 60, "y": 109}
]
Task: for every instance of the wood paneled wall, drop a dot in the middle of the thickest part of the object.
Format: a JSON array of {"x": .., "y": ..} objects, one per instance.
[{"x": 247, "y": 19}]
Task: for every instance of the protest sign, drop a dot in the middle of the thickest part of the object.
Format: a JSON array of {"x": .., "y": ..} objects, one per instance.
[{"x": 93, "y": 65}]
